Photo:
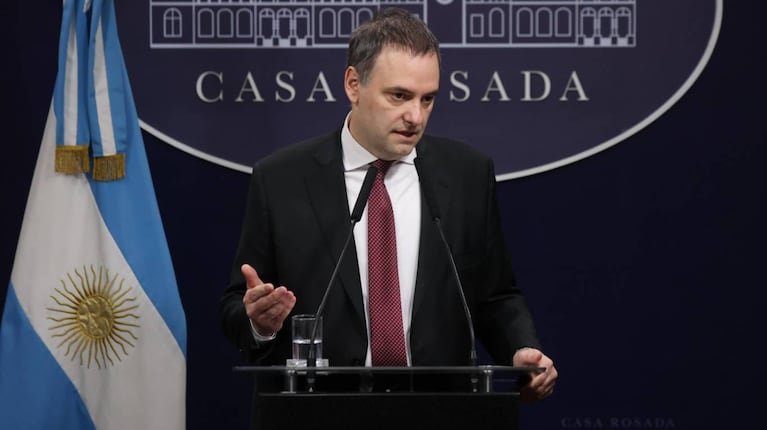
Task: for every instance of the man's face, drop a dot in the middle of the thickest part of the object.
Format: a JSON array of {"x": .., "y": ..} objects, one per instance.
[{"x": 390, "y": 112}]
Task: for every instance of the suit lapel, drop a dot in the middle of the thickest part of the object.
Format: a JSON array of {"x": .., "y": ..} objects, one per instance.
[
  {"x": 430, "y": 253},
  {"x": 327, "y": 192}
]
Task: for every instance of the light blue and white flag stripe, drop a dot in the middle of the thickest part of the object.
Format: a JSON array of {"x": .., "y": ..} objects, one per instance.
[
  {"x": 70, "y": 92},
  {"x": 93, "y": 333},
  {"x": 106, "y": 83}
]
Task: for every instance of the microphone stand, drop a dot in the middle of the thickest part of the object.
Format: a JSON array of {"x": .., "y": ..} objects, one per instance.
[
  {"x": 311, "y": 360},
  {"x": 473, "y": 351},
  {"x": 427, "y": 192},
  {"x": 359, "y": 207}
]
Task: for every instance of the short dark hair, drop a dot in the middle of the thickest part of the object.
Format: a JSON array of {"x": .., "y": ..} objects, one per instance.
[{"x": 391, "y": 27}]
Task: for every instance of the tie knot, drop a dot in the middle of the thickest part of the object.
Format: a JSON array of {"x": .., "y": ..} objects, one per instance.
[{"x": 382, "y": 166}]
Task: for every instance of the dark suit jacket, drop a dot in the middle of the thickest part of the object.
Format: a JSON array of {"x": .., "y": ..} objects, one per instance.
[{"x": 295, "y": 225}]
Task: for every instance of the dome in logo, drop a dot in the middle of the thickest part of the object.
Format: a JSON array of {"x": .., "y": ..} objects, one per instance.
[{"x": 534, "y": 84}]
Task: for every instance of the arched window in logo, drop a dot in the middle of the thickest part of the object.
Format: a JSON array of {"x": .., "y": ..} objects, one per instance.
[
  {"x": 625, "y": 27},
  {"x": 327, "y": 23},
  {"x": 525, "y": 22},
  {"x": 244, "y": 23},
  {"x": 265, "y": 27},
  {"x": 283, "y": 23},
  {"x": 172, "y": 23},
  {"x": 588, "y": 26},
  {"x": 543, "y": 22},
  {"x": 363, "y": 15},
  {"x": 605, "y": 22},
  {"x": 303, "y": 29},
  {"x": 563, "y": 21},
  {"x": 225, "y": 23},
  {"x": 345, "y": 22},
  {"x": 205, "y": 24},
  {"x": 496, "y": 21}
]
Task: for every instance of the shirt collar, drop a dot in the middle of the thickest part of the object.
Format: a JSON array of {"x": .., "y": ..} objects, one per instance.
[{"x": 355, "y": 156}]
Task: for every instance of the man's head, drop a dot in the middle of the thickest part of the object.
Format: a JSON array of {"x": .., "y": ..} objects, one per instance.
[
  {"x": 392, "y": 28},
  {"x": 391, "y": 80}
]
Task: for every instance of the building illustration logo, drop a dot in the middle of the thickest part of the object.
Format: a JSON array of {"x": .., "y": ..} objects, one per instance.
[
  {"x": 328, "y": 23},
  {"x": 534, "y": 84}
]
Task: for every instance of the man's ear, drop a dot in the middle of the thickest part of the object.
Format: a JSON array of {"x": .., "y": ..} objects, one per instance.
[{"x": 352, "y": 84}]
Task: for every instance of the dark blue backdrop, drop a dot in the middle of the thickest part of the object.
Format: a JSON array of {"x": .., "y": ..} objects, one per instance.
[{"x": 644, "y": 265}]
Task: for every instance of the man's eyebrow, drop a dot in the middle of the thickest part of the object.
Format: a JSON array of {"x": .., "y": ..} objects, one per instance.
[
  {"x": 408, "y": 91},
  {"x": 399, "y": 90}
]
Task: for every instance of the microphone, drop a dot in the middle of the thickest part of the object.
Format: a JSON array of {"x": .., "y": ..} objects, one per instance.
[
  {"x": 356, "y": 215},
  {"x": 362, "y": 198},
  {"x": 431, "y": 203}
]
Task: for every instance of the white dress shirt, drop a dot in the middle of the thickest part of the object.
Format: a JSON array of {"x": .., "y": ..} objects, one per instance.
[{"x": 404, "y": 191}]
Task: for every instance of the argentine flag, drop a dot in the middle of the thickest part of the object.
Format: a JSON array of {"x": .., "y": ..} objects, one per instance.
[{"x": 93, "y": 334}]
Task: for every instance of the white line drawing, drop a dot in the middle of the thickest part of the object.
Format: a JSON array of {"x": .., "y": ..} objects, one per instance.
[{"x": 248, "y": 24}]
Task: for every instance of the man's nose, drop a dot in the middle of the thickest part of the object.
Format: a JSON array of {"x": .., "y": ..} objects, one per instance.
[{"x": 415, "y": 113}]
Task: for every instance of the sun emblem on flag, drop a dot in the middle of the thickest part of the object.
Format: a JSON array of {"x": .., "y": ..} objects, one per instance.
[{"x": 94, "y": 316}]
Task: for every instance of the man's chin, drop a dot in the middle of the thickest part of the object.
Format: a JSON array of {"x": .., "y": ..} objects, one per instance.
[
  {"x": 404, "y": 149},
  {"x": 406, "y": 143}
]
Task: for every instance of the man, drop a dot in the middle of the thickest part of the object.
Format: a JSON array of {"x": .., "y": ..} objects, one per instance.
[{"x": 298, "y": 214}]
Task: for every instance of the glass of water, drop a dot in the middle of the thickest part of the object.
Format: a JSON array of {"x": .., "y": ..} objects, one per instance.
[{"x": 302, "y": 326}]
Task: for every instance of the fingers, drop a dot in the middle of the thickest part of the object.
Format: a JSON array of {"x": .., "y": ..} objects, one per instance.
[
  {"x": 527, "y": 357},
  {"x": 280, "y": 312},
  {"x": 250, "y": 275},
  {"x": 269, "y": 308},
  {"x": 266, "y": 306},
  {"x": 540, "y": 384},
  {"x": 540, "y": 387},
  {"x": 272, "y": 303}
]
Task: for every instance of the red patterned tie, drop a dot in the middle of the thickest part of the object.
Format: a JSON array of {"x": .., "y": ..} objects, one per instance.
[{"x": 387, "y": 338}]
